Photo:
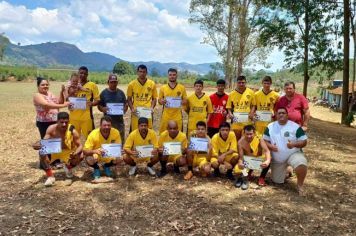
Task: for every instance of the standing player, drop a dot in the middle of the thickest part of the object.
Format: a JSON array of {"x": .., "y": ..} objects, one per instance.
[
  {"x": 198, "y": 106},
  {"x": 83, "y": 120},
  {"x": 239, "y": 105},
  {"x": 174, "y": 90},
  {"x": 141, "y": 93},
  {"x": 218, "y": 100}
]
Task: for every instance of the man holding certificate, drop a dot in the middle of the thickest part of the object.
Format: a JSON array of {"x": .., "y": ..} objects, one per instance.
[
  {"x": 172, "y": 96},
  {"x": 199, "y": 151},
  {"x": 141, "y": 97},
  {"x": 254, "y": 155},
  {"x": 83, "y": 119},
  {"x": 141, "y": 146},
  {"x": 172, "y": 148},
  {"x": 103, "y": 146},
  {"x": 113, "y": 103},
  {"x": 239, "y": 106},
  {"x": 224, "y": 154},
  {"x": 62, "y": 141}
]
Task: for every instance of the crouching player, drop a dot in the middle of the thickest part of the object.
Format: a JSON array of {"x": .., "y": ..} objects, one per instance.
[
  {"x": 94, "y": 152},
  {"x": 71, "y": 148},
  {"x": 172, "y": 136},
  {"x": 250, "y": 145},
  {"x": 224, "y": 154},
  {"x": 199, "y": 159}
]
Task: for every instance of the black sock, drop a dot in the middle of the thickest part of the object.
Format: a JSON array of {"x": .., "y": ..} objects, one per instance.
[
  {"x": 149, "y": 164},
  {"x": 176, "y": 168},
  {"x": 264, "y": 172},
  {"x": 229, "y": 172},
  {"x": 111, "y": 163},
  {"x": 95, "y": 166},
  {"x": 163, "y": 166},
  {"x": 190, "y": 168}
]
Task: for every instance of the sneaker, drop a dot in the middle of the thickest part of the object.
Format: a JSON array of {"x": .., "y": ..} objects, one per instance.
[
  {"x": 261, "y": 182},
  {"x": 161, "y": 174},
  {"x": 132, "y": 170},
  {"x": 107, "y": 171},
  {"x": 176, "y": 169},
  {"x": 50, "y": 181},
  {"x": 238, "y": 182},
  {"x": 96, "y": 174},
  {"x": 69, "y": 173},
  {"x": 229, "y": 175},
  {"x": 245, "y": 184},
  {"x": 188, "y": 175},
  {"x": 151, "y": 171}
]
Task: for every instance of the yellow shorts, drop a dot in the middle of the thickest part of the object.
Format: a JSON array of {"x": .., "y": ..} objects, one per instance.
[
  {"x": 83, "y": 126},
  {"x": 173, "y": 158},
  {"x": 134, "y": 123},
  {"x": 104, "y": 159},
  {"x": 227, "y": 159},
  {"x": 63, "y": 156},
  {"x": 164, "y": 123},
  {"x": 261, "y": 126},
  {"x": 199, "y": 161}
]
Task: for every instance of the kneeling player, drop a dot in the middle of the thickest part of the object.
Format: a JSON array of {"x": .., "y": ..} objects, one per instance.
[
  {"x": 199, "y": 159},
  {"x": 172, "y": 136},
  {"x": 250, "y": 145},
  {"x": 224, "y": 154},
  {"x": 93, "y": 147}
]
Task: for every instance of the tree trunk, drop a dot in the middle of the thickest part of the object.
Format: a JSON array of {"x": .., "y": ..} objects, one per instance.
[
  {"x": 353, "y": 30},
  {"x": 228, "y": 62},
  {"x": 345, "y": 83},
  {"x": 306, "y": 49}
]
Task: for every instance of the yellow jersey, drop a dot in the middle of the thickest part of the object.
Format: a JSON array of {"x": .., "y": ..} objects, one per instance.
[
  {"x": 135, "y": 139},
  {"x": 265, "y": 102},
  {"x": 198, "y": 109},
  {"x": 167, "y": 91},
  {"x": 91, "y": 92},
  {"x": 181, "y": 137},
  {"x": 240, "y": 102},
  {"x": 142, "y": 94},
  {"x": 221, "y": 146},
  {"x": 96, "y": 139}
]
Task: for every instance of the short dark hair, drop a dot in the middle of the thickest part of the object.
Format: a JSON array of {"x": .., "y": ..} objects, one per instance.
[
  {"x": 199, "y": 81},
  {"x": 224, "y": 125},
  {"x": 105, "y": 118},
  {"x": 39, "y": 80},
  {"x": 84, "y": 68},
  {"x": 172, "y": 70},
  {"x": 267, "y": 78},
  {"x": 241, "y": 77},
  {"x": 62, "y": 115},
  {"x": 201, "y": 123},
  {"x": 142, "y": 120},
  {"x": 283, "y": 108},
  {"x": 289, "y": 83},
  {"x": 220, "y": 81},
  {"x": 249, "y": 128},
  {"x": 142, "y": 67}
]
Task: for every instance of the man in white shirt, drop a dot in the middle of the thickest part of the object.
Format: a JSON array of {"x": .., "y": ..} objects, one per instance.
[{"x": 285, "y": 139}]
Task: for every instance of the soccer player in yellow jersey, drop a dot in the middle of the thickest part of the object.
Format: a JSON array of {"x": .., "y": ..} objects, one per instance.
[
  {"x": 239, "y": 106},
  {"x": 141, "y": 93},
  {"x": 176, "y": 91},
  {"x": 224, "y": 154},
  {"x": 93, "y": 147},
  {"x": 263, "y": 105},
  {"x": 142, "y": 137},
  {"x": 199, "y": 159},
  {"x": 172, "y": 135},
  {"x": 198, "y": 107},
  {"x": 83, "y": 120},
  {"x": 250, "y": 145}
]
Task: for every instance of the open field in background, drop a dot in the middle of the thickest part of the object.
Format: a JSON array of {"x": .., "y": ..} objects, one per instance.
[{"x": 143, "y": 205}]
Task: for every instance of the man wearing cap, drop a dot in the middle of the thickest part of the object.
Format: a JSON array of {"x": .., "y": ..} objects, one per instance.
[{"x": 112, "y": 99}]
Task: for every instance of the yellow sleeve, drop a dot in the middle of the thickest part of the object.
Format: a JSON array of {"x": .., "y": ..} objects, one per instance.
[
  {"x": 129, "y": 141},
  {"x": 254, "y": 98},
  {"x": 154, "y": 92},
  {"x": 96, "y": 94},
  {"x": 118, "y": 137},
  {"x": 160, "y": 141},
  {"x": 210, "y": 105},
  {"x": 129, "y": 90},
  {"x": 233, "y": 143},
  {"x": 229, "y": 102},
  {"x": 89, "y": 144},
  {"x": 154, "y": 140},
  {"x": 215, "y": 145}
]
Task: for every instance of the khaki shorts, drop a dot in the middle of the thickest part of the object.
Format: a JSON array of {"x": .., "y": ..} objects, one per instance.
[{"x": 279, "y": 169}]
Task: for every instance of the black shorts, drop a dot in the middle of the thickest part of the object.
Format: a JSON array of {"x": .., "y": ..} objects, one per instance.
[
  {"x": 42, "y": 127},
  {"x": 212, "y": 131}
]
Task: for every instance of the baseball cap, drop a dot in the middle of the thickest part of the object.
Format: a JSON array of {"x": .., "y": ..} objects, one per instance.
[{"x": 112, "y": 77}]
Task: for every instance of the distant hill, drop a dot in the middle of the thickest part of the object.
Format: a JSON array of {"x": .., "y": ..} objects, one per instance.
[{"x": 66, "y": 55}]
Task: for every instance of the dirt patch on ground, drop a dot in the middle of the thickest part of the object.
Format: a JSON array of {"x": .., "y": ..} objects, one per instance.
[{"x": 143, "y": 205}]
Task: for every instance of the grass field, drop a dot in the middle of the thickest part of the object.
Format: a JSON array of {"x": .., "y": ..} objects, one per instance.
[{"x": 144, "y": 205}]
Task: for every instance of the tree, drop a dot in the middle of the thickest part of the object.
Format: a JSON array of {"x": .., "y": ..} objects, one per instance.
[
  {"x": 345, "y": 78},
  {"x": 353, "y": 33},
  {"x": 306, "y": 31},
  {"x": 4, "y": 41},
  {"x": 155, "y": 72},
  {"x": 123, "y": 68}
]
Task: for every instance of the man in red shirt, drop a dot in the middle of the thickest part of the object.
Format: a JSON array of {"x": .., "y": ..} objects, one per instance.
[
  {"x": 218, "y": 100},
  {"x": 296, "y": 104}
]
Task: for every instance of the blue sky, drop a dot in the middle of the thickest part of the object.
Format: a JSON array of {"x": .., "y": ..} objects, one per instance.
[{"x": 133, "y": 30}]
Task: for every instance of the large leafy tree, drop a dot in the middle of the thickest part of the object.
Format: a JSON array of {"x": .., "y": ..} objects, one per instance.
[
  {"x": 123, "y": 68},
  {"x": 306, "y": 31},
  {"x": 4, "y": 41}
]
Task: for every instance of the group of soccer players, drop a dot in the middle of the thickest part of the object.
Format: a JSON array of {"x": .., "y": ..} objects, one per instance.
[{"x": 208, "y": 118}]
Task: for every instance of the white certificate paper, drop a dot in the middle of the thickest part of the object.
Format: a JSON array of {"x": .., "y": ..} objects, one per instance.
[
  {"x": 199, "y": 144},
  {"x": 111, "y": 150},
  {"x": 264, "y": 116},
  {"x": 144, "y": 151},
  {"x": 173, "y": 102},
  {"x": 78, "y": 103},
  {"x": 49, "y": 146},
  {"x": 144, "y": 112},
  {"x": 115, "y": 108},
  {"x": 253, "y": 163},
  {"x": 172, "y": 148},
  {"x": 240, "y": 117}
]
